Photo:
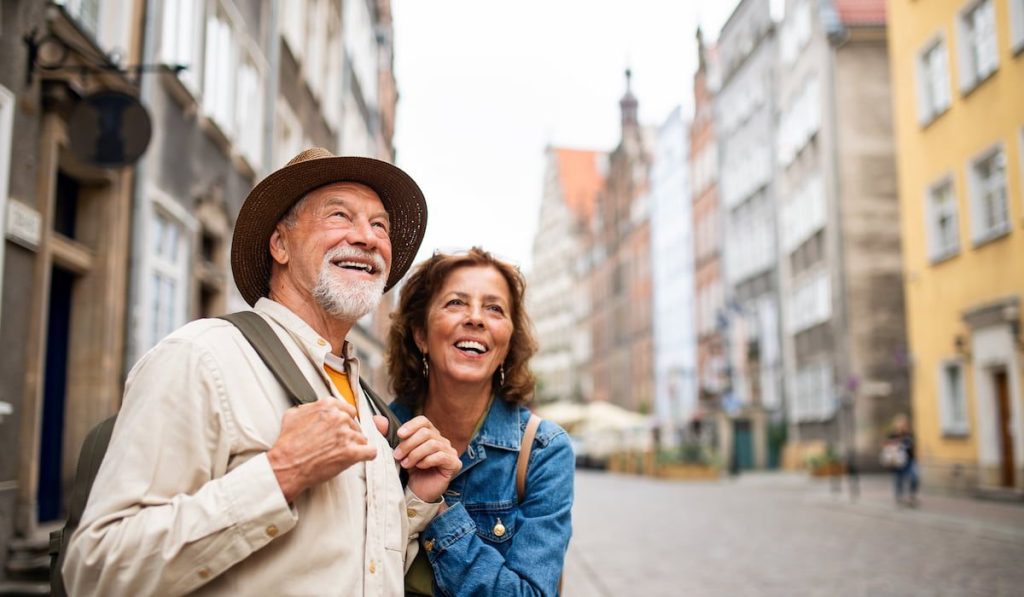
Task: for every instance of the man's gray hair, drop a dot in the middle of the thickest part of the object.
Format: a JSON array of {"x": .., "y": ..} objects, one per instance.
[{"x": 291, "y": 217}]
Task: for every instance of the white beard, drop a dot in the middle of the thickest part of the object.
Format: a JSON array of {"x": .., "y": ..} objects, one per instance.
[{"x": 346, "y": 299}]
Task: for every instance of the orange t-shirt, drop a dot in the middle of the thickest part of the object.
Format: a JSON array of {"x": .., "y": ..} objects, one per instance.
[{"x": 341, "y": 382}]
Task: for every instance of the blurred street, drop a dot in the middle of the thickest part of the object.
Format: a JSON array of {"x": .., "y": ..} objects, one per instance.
[{"x": 785, "y": 534}]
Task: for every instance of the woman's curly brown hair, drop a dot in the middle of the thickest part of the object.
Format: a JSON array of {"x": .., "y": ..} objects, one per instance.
[{"x": 405, "y": 361}]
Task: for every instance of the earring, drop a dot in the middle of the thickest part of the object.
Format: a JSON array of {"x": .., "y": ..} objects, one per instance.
[
  {"x": 426, "y": 367},
  {"x": 501, "y": 375}
]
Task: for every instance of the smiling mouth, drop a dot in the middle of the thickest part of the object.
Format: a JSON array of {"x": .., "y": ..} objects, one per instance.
[
  {"x": 356, "y": 266},
  {"x": 471, "y": 347}
]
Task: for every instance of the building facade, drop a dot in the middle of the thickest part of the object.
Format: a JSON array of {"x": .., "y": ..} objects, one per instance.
[
  {"x": 622, "y": 358},
  {"x": 709, "y": 294},
  {"x": 745, "y": 129},
  {"x": 839, "y": 254},
  {"x": 99, "y": 263},
  {"x": 958, "y": 87},
  {"x": 557, "y": 301},
  {"x": 675, "y": 338}
]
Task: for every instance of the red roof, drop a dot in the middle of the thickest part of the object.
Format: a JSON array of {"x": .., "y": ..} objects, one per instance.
[
  {"x": 861, "y": 12},
  {"x": 581, "y": 178}
]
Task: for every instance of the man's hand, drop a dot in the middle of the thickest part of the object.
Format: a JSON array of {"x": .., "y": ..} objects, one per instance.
[
  {"x": 317, "y": 442},
  {"x": 431, "y": 460}
]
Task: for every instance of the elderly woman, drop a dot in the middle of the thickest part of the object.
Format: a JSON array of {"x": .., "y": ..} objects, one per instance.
[{"x": 458, "y": 352}]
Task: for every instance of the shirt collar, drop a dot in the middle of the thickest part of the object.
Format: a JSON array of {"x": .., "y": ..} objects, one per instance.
[{"x": 300, "y": 330}]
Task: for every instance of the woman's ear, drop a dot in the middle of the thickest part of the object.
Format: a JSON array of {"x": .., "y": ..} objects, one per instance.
[
  {"x": 278, "y": 248},
  {"x": 420, "y": 339}
]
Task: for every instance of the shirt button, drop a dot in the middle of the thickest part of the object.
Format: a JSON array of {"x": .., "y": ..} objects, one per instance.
[
  {"x": 410, "y": 513},
  {"x": 373, "y": 567},
  {"x": 204, "y": 573},
  {"x": 272, "y": 531},
  {"x": 429, "y": 544},
  {"x": 321, "y": 342}
]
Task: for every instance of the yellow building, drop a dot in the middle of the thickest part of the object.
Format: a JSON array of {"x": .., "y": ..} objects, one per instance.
[{"x": 958, "y": 88}]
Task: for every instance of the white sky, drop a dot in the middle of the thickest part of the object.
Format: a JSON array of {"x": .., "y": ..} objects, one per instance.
[{"x": 484, "y": 86}]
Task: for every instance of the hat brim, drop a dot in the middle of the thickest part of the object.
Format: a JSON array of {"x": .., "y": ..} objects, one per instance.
[{"x": 271, "y": 199}]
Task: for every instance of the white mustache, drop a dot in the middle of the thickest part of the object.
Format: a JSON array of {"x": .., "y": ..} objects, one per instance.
[{"x": 347, "y": 252}]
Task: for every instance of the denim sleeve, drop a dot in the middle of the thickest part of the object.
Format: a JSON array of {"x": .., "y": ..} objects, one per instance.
[{"x": 464, "y": 564}]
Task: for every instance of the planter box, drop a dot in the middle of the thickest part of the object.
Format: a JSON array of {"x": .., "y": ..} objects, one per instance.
[{"x": 829, "y": 469}]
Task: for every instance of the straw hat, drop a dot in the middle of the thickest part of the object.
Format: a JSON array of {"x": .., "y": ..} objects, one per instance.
[{"x": 271, "y": 199}]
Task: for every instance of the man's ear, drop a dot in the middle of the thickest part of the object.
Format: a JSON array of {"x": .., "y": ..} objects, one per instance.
[{"x": 278, "y": 247}]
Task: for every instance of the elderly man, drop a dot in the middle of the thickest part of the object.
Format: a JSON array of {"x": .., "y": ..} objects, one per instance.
[{"x": 212, "y": 484}]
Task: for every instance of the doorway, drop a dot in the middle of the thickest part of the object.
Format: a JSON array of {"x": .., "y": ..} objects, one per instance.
[
  {"x": 1001, "y": 385},
  {"x": 51, "y": 448}
]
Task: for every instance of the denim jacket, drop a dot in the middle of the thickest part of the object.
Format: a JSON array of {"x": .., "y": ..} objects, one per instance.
[{"x": 486, "y": 543}]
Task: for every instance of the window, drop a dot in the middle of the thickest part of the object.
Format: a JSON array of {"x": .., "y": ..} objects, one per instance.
[
  {"x": 167, "y": 282},
  {"x": 989, "y": 215},
  {"x": 810, "y": 303},
  {"x": 813, "y": 393},
  {"x": 179, "y": 43},
  {"x": 952, "y": 399},
  {"x": 6, "y": 132},
  {"x": 221, "y": 66},
  {"x": 1016, "y": 25},
  {"x": 979, "y": 54},
  {"x": 942, "y": 223},
  {"x": 932, "y": 82}
]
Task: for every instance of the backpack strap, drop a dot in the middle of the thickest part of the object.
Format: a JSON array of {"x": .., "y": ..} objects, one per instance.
[
  {"x": 378, "y": 406},
  {"x": 525, "y": 447},
  {"x": 268, "y": 345}
]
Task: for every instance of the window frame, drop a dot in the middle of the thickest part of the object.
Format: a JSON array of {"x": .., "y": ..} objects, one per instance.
[
  {"x": 1016, "y": 25},
  {"x": 169, "y": 209},
  {"x": 936, "y": 253},
  {"x": 950, "y": 427},
  {"x": 7, "y": 102},
  {"x": 969, "y": 78},
  {"x": 926, "y": 114},
  {"x": 978, "y": 236}
]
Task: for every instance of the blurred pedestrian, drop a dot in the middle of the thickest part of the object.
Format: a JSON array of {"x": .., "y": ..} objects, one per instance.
[
  {"x": 212, "y": 483},
  {"x": 899, "y": 455},
  {"x": 458, "y": 353}
]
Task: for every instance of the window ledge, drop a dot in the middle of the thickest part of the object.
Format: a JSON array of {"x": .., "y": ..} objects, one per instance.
[
  {"x": 944, "y": 256},
  {"x": 992, "y": 235},
  {"x": 969, "y": 89},
  {"x": 926, "y": 123},
  {"x": 181, "y": 93},
  {"x": 957, "y": 434},
  {"x": 212, "y": 130}
]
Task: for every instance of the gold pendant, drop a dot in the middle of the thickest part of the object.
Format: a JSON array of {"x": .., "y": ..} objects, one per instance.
[{"x": 499, "y": 529}]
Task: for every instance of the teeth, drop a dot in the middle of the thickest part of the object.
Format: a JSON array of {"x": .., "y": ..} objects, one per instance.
[
  {"x": 355, "y": 265},
  {"x": 470, "y": 345}
]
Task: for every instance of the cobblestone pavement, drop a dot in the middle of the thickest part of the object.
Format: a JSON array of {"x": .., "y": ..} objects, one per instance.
[{"x": 785, "y": 534}]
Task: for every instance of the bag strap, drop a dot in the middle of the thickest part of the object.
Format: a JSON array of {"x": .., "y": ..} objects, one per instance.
[
  {"x": 268, "y": 345},
  {"x": 525, "y": 447}
]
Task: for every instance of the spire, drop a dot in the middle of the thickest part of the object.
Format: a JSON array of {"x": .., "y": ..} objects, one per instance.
[{"x": 628, "y": 103}]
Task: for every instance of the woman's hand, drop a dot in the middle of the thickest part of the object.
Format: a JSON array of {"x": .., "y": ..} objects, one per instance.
[{"x": 429, "y": 457}]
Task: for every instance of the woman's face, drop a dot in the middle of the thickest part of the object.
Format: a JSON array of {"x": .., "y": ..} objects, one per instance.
[{"x": 469, "y": 325}]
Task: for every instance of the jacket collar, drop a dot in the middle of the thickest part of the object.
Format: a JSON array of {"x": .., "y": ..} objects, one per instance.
[{"x": 501, "y": 428}]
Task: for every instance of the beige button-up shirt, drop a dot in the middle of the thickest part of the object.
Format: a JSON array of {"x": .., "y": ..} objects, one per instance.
[{"x": 186, "y": 501}]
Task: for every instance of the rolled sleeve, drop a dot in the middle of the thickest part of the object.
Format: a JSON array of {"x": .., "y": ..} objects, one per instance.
[{"x": 420, "y": 513}]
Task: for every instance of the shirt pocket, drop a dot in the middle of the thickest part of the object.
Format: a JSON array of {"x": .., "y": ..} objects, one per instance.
[{"x": 495, "y": 521}]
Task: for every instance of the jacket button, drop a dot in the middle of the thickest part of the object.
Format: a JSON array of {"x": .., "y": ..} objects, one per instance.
[
  {"x": 272, "y": 531},
  {"x": 499, "y": 529},
  {"x": 429, "y": 544},
  {"x": 204, "y": 573}
]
